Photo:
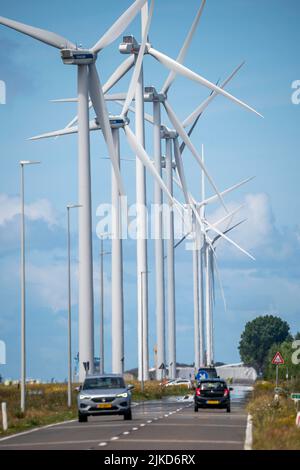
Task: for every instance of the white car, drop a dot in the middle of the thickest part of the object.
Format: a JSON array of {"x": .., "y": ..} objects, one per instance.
[{"x": 185, "y": 382}]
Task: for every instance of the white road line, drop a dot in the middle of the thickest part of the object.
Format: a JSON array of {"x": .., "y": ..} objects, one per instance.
[
  {"x": 182, "y": 441},
  {"x": 103, "y": 444},
  {"x": 41, "y": 428},
  {"x": 49, "y": 444},
  {"x": 116, "y": 438}
]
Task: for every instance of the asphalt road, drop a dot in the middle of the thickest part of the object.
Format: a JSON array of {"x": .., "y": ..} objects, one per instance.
[{"x": 156, "y": 425}]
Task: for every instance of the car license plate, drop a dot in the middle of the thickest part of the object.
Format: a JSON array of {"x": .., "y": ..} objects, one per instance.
[
  {"x": 213, "y": 402},
  {"x": 104, "y": 406}
]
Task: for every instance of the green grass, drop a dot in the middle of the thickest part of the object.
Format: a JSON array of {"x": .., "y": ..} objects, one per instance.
[
  {"x": 274, "y": 421},
  {"x": 47, "y": 404}
]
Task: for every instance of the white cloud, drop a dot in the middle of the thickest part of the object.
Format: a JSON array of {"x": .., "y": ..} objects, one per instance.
[
  {"x": 42, "y": 209},
  {"x": 258, "y": 229}
]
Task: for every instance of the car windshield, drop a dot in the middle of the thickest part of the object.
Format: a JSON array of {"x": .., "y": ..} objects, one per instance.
[
  {"x": 212, "y": 385},
  {"x": 103, "y": 383}
]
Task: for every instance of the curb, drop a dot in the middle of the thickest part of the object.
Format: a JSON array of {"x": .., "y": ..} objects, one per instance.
[{"x": 249, "y": 434}]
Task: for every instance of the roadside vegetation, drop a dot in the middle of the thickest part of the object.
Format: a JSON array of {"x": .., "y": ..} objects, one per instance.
[
  {"x": 274, "y": 425},
  {"x": 47, "y": 404}
]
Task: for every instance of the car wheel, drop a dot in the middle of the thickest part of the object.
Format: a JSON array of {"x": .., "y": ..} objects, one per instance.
[
  {"x": 196, "y": 409},
  {"x": 228, "y": 409},
  {"x": 128, "y": 415},
  {"x": 82, "y": 418}
]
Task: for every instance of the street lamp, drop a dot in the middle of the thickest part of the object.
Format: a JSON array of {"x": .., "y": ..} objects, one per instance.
[
  {"x": 69, "y": 207},
  {"x": 102, "y": 236},
  {"x": 23, "y": 292}
]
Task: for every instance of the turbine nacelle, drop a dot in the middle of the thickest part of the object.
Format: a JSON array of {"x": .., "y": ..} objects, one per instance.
[
  {"x": 78, "y": 56},
  {"x": 131, "y": 46},
  {"x": 116, "y": 122},
  {"x": 151, "y": 95},
  {"x": 167, "y": 133}
]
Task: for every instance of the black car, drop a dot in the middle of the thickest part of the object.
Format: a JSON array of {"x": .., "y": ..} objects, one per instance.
[{"x": 212, "y": 393}]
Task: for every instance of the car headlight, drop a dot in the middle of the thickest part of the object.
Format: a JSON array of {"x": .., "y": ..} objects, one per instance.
[
  {"x": 122, "y": 395},
  {"x": 84, "y": 397}
]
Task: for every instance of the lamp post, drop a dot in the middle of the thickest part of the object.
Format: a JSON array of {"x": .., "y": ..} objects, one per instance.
[
  {"x": 23, "y": 291},
  {"x": 69, "y": 207}
]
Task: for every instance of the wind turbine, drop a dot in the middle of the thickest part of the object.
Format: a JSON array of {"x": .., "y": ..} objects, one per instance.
[
  {"x": 88, "y": 83},
  {"x": 131, "y": 46},
  {"x": 123, "y": 122}
]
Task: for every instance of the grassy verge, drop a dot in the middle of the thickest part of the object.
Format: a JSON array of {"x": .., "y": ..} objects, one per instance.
[
  {"x": 274, "y": 421},
  {"x": 47, "y": 404}
]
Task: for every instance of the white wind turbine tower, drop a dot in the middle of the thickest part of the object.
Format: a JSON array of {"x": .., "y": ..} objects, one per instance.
[{"x": 88, "y": 83}]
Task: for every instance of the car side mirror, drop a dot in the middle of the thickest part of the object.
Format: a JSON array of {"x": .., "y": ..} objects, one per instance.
[
  {"x": 130, "y": 387},
  {"x": 78, "y": 389}
]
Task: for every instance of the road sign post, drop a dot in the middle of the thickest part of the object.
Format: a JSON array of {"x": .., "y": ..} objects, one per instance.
[{"x": 277, "y": 360}]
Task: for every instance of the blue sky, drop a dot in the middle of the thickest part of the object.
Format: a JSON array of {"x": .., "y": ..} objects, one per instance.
[{"x": 237, "y": 145}]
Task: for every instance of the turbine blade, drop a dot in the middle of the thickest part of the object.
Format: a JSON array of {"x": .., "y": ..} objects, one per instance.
[
  {"x": 229, "y": 230},
  {"x": 138, "y": 149},
  {"x": 98, "y": 100},
  {"x": 181, "y": 241},
  {"x": 180, "y": 69},
  {"x": 180, "y": 170},
  {"x": 65, "y": 100},
  {"x": 116, "y": 76},
  {"x": 138, "y": 65},
  {"x": 216, "y": 267},
  {"x": 200, "y": 109},
  {"x": 227, "y": 191},
  {"x": 148, "y": 117},
  {"x": 47, "y": 37},
  {"x": 182, "y": 147},
  {"x": 180, "y": 130},
  {"x": 61, "y": 132},
  {"x": 119, "y": 26},
  {"x": 115, "y": 97},
  {"x": 119, "y": 73},
  {"x": 228, "y": 216},
  {"x": 181, "y": 57},
  {"x": 214, "y": 229}
]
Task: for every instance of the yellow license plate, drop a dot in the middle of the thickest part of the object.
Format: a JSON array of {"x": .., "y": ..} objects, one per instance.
[
  {"x": 104, "y": 406},
  {"x": 213, "y": 402}
]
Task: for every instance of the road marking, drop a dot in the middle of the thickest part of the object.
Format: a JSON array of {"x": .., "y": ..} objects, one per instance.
[
  {"x": 56, "y": 443},
  {"x": 115, "y": 438},
  {"x": 202, "y": 425},
  {"x": 126, "y": 433},
  {"x": 135, "y": 429},
  {"x": 12, "y": 436},
  {"x": 182, "y": 441},
  {"x": 103, "y": 444}
]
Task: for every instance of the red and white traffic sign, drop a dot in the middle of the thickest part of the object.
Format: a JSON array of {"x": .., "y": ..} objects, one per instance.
[{"x": 278, "y": 359}]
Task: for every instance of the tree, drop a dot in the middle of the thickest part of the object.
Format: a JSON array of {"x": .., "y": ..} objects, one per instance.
[
  {"x": 259, "y": 336},
  {"x": 286, "y": 350}
]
